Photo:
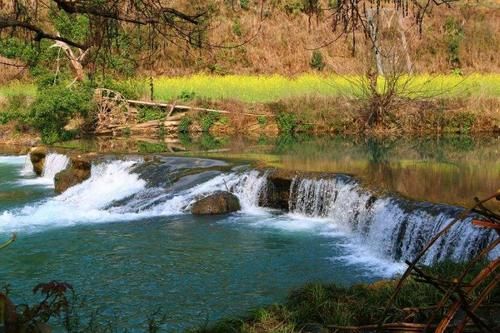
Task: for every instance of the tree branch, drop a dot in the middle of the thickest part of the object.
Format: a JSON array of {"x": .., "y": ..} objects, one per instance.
[{"x": 39, "y": 33}]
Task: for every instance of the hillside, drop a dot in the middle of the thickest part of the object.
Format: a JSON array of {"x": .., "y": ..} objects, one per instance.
[
  {"x": 279, "y": 37},
  {"x": 464, "y": 38}
]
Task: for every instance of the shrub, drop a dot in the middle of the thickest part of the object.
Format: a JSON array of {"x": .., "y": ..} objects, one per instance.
[
  {"x": 317, "y": 61},
  {"x": 294, "y": 7},
  {"x": 55, "y": 106},
  {"x": 150, "y": 113},
  {"x": 184, "y": 124},
  {"x": 262, "y": 120},
  {"x": 207, "y": 120},
  {"x": 287, "y": 122},
  {"x": 237, "y": 28},
  {"x": 187, "y": 95},
  {"x": 245, "y": 4},
  {"x": 454, "y": 36},
  {"x": 16, "y": 109}
]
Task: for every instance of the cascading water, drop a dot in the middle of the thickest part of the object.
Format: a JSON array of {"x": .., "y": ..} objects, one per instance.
[
  {"x": 393, "y": 227},
  {"x": 54, "y": 163},
  {"x": 115, "y": 192},
  {"x": 28, "y": 167}
]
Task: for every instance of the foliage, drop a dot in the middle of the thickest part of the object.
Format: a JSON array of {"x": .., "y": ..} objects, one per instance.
[
  {"x": 16, "y": 110},
  {"x": 454, "y": 36},
  {"x": 287, "y": 122},
  {"x": 245, "y": 4},
  {"x": 317, "y": 61},
  {"x": 237, "y": 28},
  {"x": 207, "y": 120},
  {"x": 209, "y": 142},
  {"x": 186, "y": 95},
  {"x": 184, "y": 124},
  {"x": 55, "y": 105},
  {"x": 147, "y": 113},
  {"x": 294, "y": 7},
  {"x": 262, "y": 120},
  {"x": 75, "y": 27},
  {"x": 54, "y": 303}
]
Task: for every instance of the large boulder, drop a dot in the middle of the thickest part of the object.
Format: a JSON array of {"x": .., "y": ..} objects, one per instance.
[
  {"x": 78, "y": 171},
  {"x": 216, "y": 203},
  {"x": 37, "y": 157}
]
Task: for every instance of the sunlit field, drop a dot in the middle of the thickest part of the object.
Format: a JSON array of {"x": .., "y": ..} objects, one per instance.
[{"x": 256, "y": 89}]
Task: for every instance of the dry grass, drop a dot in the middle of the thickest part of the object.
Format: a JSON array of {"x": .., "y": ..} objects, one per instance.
[{"x": 282, "y": 43}]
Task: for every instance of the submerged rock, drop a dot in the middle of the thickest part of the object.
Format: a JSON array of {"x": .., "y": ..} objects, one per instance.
[
  {"x": 37, "y": 157},
  {"x": 78, "y": 172},
  {"x": 216, "y": 203}
]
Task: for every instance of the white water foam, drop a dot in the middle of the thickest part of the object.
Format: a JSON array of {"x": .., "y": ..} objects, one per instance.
[
  {"x": 388, "y": 227},
  {"x": 27, "y": 170},
  {"x": 54, "y": 163},
  {"x": 83, "y": 203},
  {"x": 114, "y": 192}
]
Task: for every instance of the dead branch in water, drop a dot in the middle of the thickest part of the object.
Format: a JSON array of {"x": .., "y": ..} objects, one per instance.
[{"x": 460, "y": 294}]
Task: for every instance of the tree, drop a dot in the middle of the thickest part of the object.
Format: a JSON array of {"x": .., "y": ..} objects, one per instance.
[
  {"x": 385, "y": 78},
  {"x": 94, "y": 28}
]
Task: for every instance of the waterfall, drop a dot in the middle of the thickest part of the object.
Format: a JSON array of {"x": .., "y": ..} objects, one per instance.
[
  {"x": 114, "y": 192},
  {"x": 28, "y": 167},
  {"x": 54, "y": 163},
  {"x": 394, "y": 227},
  {"x": 389, "y": 226}
]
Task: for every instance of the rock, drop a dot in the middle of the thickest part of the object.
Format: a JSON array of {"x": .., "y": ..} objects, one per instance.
[
  {"x": 78, "y": 171},
  {"x": 37, "y": 157},
  {"x": 216, "y": 203},
  {"x": 277, "y": 192}
]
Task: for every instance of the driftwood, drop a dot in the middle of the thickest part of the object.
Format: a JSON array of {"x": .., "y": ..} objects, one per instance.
[
  {"x": 7, "y": 243},
  {"x": 116, "y": 113}
]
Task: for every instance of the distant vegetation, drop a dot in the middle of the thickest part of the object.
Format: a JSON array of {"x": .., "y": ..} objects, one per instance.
[{"x": 260, "y": 89}]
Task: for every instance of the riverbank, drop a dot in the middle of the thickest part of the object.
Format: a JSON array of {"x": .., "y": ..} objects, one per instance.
[
  {"x": 277, "y": 105},
  {"x": 323, "y": 308}
]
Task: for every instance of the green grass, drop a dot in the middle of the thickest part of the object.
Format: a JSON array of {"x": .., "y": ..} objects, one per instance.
[
  {"x": 262, "y": 89},
  {"x": 330, "y": 304},
  {"x": 255, "y": 89},
  {"x": 17, "y": 88}
]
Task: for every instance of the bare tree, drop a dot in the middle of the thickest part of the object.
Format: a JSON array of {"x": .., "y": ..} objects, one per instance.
[{"x": 386, "y": 78}]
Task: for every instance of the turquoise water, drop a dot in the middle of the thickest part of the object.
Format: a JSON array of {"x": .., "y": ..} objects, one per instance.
[{"x": 128, "y": 265}]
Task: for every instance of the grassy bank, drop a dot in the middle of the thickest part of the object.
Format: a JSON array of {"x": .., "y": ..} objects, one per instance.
[
  {"x": 310, "y": 103},
  {"x": 322, "y": 307}
]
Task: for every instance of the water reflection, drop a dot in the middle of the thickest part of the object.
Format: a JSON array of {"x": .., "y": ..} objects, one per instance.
[{"x": 450, "y": 169}]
